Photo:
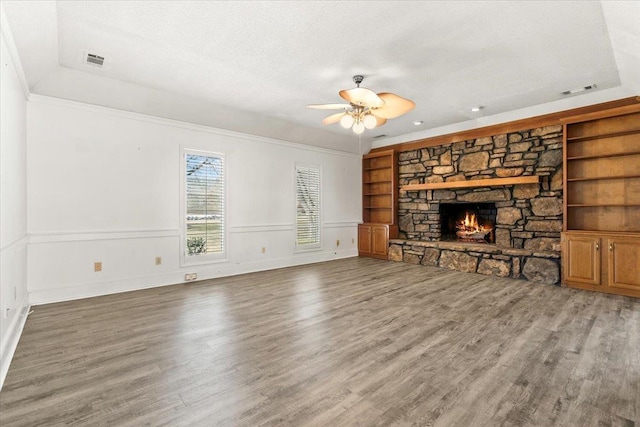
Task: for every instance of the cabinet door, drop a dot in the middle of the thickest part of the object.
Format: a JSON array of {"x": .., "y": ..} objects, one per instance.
[
  {"x": 581, "y": 256},
  {"x": 380, "y": 241},
  {"x": 364, "y": 240},
  {"x": 624, "y": 263}
]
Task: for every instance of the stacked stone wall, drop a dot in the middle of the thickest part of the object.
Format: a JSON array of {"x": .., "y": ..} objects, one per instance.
[{"x": 529, "y": 216}]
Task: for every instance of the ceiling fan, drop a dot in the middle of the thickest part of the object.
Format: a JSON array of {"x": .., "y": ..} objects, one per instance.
[{"x": 366, "y": 109}]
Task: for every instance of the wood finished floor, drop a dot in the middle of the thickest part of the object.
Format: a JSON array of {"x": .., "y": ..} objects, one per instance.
[{"x": 348, "y": 342}]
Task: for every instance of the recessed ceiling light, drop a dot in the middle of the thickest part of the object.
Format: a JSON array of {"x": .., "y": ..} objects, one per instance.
[
  {"x": 476, "y": 109},
  {"x": 580, "y": 89},
  {"x": 418, "y": 122}
]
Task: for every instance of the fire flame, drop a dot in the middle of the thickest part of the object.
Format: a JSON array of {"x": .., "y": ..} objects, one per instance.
[{"x": 470, "y": 224}]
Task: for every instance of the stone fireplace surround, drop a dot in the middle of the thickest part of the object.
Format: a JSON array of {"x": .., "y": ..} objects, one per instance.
[{"x": 529, "y": 216}]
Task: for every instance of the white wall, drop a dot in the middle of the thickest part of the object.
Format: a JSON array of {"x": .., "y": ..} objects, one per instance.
[
  {"x": 104, "y": 185},
  {"x": 13, "y": 208}
]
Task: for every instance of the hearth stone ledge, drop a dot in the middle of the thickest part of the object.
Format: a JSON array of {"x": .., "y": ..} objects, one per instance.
[{"x": 539, "y": 267}]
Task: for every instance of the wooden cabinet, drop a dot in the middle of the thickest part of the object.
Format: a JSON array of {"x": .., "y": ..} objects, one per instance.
[
  {"x": 379, "y": 203},
  {"x": 624, "y": 264},
  {"x": 581, "y": 259},
  {"x": 604, "y": 262},
  {"x": 373, "y": 239},
  {"x": 601, "y": 172},
  {"x": 365, "y": 240}
]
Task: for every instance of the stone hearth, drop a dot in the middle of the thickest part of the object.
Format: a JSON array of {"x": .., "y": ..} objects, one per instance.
[
  {"x": 529, "y": 216},
  {"x": 541, "y": 267}
]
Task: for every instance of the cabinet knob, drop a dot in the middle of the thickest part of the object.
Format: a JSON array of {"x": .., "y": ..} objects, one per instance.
[
  {"x": 611, "y": 246},
  {"x": 597, "y": 246}
]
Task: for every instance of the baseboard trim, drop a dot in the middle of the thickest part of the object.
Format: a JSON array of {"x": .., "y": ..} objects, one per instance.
[
  {"x": 10, "y": 341},
  {"x": 205, "y": 272}
]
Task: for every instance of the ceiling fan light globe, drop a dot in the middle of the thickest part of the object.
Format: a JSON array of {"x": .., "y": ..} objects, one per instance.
[
  {"x": 346, "y": 121},
  {"x": 358, "y": 128},
  {"x": 369, "y": 121}
]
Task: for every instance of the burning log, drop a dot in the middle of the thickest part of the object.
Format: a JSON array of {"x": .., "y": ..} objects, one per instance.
[{"x": 470, "y": 230}]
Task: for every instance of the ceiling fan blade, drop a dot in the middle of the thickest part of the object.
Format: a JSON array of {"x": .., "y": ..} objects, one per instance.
[
  {"x": 362, "y": 96},
  {"x": 329, "y": 106},
  {"x": 380, "y": 121},
  {"x": 394, "y": 106},
  {"x": 334, "y": 118}
]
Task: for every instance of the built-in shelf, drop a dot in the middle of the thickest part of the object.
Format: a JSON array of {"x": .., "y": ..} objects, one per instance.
[
  {"x": 375, "y": 182},
  {"x": 600, "y": 205},
  {"x": 601, "y": 221},
  {"x": 489, "y": 182},
  {"x": 379, "y": 203},
  {"x": 600, "y": 156},
  {"x": 598, "y": 178},
  {"x": 602, "y": 136}
]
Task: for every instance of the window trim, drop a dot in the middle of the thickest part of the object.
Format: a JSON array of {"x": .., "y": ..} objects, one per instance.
[
  {"x": 312, "y": 246},
  {"x": 186, "y": 260}
]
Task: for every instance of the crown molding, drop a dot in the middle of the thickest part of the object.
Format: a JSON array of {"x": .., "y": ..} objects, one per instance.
[
  {"x": 129, "y": 115},
  {"x": 549, "y": 119}
]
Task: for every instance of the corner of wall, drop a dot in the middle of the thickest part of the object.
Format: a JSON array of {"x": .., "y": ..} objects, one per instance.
[
  {"x": 13, "y": 252},
  {"x": 12, "y": 337}
]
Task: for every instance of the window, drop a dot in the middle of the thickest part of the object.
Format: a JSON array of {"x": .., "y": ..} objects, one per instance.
[
  {"x": 307, "y": 207},
  {"x": 204, "y": 206}
]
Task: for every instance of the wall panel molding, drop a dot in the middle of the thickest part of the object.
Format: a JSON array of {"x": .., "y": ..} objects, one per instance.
[
  {"x": 341, "y": 224},
  {"x": 94, "y": 235},
  {"x": 260, "y": 228},
  {"x": 19, "y": 241}
]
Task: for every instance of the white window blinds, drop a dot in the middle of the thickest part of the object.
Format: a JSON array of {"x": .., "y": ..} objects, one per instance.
[
  {"x": 307, "y": 206},
  {"x": 204, "y": 204}
]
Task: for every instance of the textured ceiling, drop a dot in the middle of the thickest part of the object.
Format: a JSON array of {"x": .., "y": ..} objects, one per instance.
[{"x": 254, "y": 66}]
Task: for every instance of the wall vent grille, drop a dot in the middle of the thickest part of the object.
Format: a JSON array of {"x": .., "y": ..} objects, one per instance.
[{"x": 93, "y": 59}]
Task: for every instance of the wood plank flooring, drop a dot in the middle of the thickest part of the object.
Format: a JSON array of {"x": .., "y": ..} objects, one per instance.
[{"x": 349, "y": 342}]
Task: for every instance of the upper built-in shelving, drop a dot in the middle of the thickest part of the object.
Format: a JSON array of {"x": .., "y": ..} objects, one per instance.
[
  {"x": 602, "y": 136},
  {"x": 603, "y": 155},
  {"x": 602, "y": 171},
  {"x": 379, "y": 187},
  {"x": 605, "y": 177}
]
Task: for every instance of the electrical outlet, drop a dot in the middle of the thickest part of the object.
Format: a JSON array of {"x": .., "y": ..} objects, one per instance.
[
  {"x": 158, "y": 260},
  {"x": 189, "y": 277},
  {"x": 264, "y": 249},
  {"x": 353, "y": 241},
  {"x": 337, "y": 242},
  {"x": 15, "y": 293},
  {"x": 97, "y": 266}
]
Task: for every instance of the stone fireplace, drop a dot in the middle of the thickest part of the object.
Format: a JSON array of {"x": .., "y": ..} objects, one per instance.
[{"x": 527, "y": 218}]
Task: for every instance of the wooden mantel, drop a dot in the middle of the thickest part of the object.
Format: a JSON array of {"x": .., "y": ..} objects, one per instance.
[{"x": 489, "y": 182}]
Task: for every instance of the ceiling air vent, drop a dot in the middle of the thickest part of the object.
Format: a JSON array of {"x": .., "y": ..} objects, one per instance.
[
  {"x": 95, "y": 60},
  {"x": 578, "y": 90}
]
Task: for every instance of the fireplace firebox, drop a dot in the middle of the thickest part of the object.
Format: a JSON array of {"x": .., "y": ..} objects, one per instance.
[{"x": 468, "y": 222}]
